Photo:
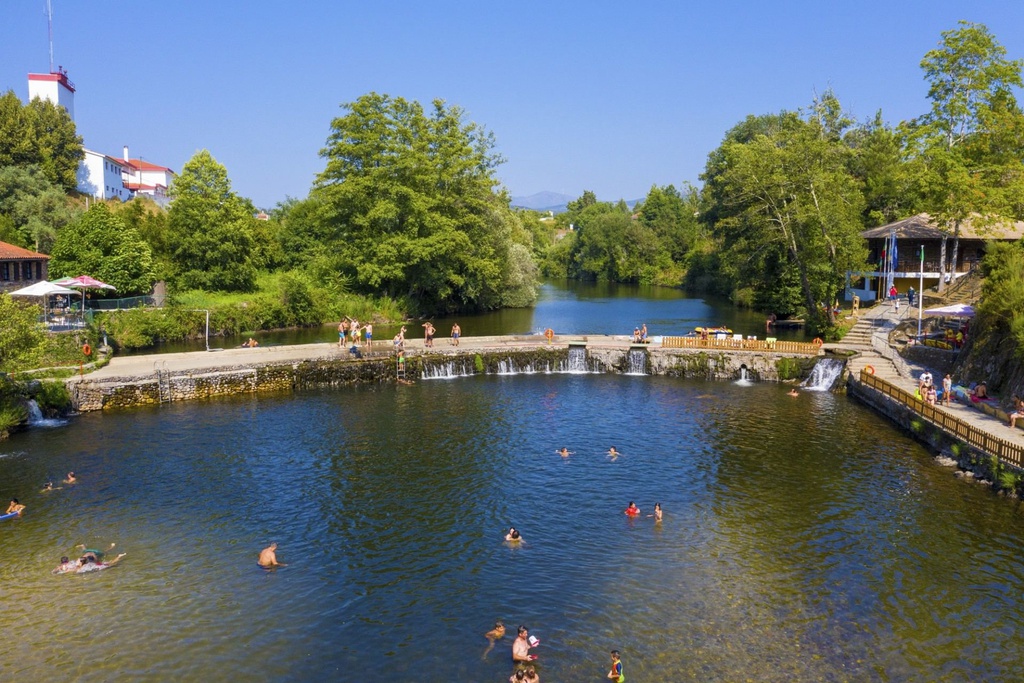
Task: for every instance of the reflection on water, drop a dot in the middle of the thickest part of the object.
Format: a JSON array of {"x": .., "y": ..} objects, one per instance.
[
  {"x": 786, "y": 553},
  {"x": 568, "y": 307}
]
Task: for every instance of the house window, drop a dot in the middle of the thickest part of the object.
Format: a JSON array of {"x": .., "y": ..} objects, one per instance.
[
  {"x": 39, "y": 270},
  {"x": 26, "y": 270},
  {"x": 5, "y": 272}
]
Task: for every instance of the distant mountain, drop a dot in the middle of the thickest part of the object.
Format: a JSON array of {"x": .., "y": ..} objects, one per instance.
[
  {"x": 553, "y": 202},
  {"x": 543, "y": 201}
]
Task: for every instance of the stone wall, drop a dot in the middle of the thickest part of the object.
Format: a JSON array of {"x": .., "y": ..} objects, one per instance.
[{"x": 152, "y": 389}]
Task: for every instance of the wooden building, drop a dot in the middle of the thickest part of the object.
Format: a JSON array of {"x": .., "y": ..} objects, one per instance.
[{"x": 911, "y": 234}]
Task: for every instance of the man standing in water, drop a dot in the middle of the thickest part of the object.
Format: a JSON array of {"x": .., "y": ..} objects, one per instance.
[
  {"x": 521, "y": 648},
  {"x": 268, "y": 557}
]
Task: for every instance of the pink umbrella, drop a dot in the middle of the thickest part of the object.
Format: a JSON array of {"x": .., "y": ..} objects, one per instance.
[{"x": 83, "y": 282}]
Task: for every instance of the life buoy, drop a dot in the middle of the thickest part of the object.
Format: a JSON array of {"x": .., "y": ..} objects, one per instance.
[
  {"x": 870, "y": 369},
  {"x": 817, "y": 341},
  {"x": 549, "y": 333},
  {"x": 86, "y": 349}
]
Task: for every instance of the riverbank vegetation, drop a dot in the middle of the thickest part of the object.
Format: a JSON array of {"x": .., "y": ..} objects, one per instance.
[
  {"x": 407, "y": 216},
  {"x": 776, "y": 224}
]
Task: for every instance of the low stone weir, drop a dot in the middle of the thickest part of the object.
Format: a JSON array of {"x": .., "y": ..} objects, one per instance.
[{"x": 326, "y": 367}]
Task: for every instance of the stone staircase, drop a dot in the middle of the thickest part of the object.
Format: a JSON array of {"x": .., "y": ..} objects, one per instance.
[{"x": 858, "y": 340}]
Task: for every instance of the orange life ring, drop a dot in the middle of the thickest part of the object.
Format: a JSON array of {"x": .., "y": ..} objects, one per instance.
[
  {"x": 870, "y": 369},
  {"x": 549, "y": 333},
  {"x": 817, "y": 341},
  {"x": 86, "y": 349}
]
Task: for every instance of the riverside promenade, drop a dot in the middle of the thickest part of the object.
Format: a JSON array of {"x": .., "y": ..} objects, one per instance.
[{"x": 987, "y": 424}]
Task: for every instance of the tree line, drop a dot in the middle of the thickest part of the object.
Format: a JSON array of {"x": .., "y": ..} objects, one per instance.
[
  {"x": 408, "y": 206},
  {"x": 776, "y": 224}
]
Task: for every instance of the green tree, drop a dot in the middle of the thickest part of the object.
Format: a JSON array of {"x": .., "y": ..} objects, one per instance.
[
  {"x": 21, "y": 336},
  {"x": 35, "y": 209},
  {"x": 99, "y": 244},
  {"x": 150, "y": 221},
  {"x": 407, "y": 203},
  {"x": 217, "y": 244},
  {"x": 40, "y": 134},
  {"x": 788, "y": 200},
  {"x": 971, "y": 86}
]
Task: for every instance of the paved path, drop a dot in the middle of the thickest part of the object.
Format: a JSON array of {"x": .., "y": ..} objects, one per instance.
[
  {"x": 870, "y": 338},
  {"x": 203, "y": 361}
]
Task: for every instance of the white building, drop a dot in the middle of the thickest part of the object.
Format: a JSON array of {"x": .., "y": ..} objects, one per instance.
[
  {"x": 102, "y": 177},
  {"x": 146, "y": 178},
  {"x": 54, "y": 87}
]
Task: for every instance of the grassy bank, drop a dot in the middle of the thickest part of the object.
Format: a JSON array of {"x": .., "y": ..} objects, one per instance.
[{"x": 283, "y": 300}]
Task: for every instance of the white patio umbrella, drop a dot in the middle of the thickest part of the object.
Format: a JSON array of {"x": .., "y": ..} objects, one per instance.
[
  {"x": 42, "y": 289},
  {"x": 952, "y": 311}
]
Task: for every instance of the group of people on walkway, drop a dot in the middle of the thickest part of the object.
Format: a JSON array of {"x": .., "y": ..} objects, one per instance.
[{"x": 350, "y": 331}]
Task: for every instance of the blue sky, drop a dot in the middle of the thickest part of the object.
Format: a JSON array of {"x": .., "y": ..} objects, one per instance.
[{"x": 608, "y": 96}]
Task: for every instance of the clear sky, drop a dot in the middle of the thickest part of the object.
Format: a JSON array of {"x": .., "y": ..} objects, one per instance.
[{"x": 608, "y": 96}]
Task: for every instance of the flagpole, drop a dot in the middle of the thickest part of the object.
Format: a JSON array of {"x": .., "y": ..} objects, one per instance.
[{"x": 920, "y": 297}]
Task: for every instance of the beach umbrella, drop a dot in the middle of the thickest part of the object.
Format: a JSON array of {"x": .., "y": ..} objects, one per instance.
[
  {"x": 952, "y": 311},
  {"x": 83, "y": 282},
  {"x": 42, "y": 289}
]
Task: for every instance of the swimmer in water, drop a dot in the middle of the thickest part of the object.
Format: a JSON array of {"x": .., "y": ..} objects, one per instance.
[
  {"x": 91, "y": 554},
  {"x": 71, "y": 479},
  {"x": 612, "y": 453},
  {"x": 513, "y": 535},
  {"x": 15, "y": 507},
  {"x": 66, "y": 566},
  {"x": 564, "y": 452},
  {"x": 495, "y": 634},
  {"x": 92, "y": 565},
  {"x": 793, "y": 392},
  {"x": 632, "y": 510},
  {"x": 268, "y": 557},
  {"x": 657, "y": 512},
  {"x": 50, "y": 487}
]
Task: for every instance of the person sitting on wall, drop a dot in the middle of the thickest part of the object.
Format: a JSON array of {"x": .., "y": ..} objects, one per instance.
[
  {"x": 355, "y": 352},
  {"x": 980, "y": 392}
]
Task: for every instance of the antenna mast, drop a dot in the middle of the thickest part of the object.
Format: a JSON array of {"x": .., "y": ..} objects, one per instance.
[{"x": 49, "y": 30}]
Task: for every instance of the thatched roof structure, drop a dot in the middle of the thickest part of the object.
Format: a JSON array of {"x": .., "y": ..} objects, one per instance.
[{"x": 922, "y": 227}]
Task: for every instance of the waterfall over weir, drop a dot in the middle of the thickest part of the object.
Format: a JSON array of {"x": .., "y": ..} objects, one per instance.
[
  {"x": 447, "y": 370},
  {"x": 825, "y": 373},
  {"x": 636, "y": 362},
  {"x": 36, "y": 419}
]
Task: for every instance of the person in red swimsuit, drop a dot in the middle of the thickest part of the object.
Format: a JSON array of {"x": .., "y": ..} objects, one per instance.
[{"x": 632, "y": 510}]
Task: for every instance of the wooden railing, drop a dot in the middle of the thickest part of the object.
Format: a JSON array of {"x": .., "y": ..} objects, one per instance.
[
  {"x": 1006, "y": 451},
  {"x": 732, "y": 344}
]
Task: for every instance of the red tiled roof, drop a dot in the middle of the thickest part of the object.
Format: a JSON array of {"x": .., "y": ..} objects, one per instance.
[
  {"x": 143, "y": 165},
  {"x": 9, "y": 252}
]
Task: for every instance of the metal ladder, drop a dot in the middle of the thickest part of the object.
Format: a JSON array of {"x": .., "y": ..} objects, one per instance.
[
  {"x": 163, "y": 381},
  {"x": 400, "y": 367}
]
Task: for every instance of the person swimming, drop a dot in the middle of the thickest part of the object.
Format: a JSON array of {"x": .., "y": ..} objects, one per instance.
[
  {"x": 66, "y": 565},
  {"x": 92, "y": 565},
  {"x": 50, "y": 487},
  {"x": 632, "y": 510},
  {"x": 513, "y": 535},
  {"x": 793, "y": 392},
  {"x": 613, "y": 453},
  {"x": 564, "y": 452},
  {"x": 657, "y": 512},
  {"x": 71, "y": 479},
  {"x": 495, "y": 634},
  {"x": 15, "y": 507}
]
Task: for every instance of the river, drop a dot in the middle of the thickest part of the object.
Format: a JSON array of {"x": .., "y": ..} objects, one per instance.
[
  {"x": 568, "y": 307},
  {"x": 803, "y": 539}
]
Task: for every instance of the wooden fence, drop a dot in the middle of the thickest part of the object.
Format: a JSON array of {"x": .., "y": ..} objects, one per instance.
[
  {"x": 1006, "y": 451},
  {"x": 730, "y": 343}
]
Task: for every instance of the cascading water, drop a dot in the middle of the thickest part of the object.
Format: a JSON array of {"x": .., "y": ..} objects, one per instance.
[
  {"x": 637, "y": 362},
  {"x": 36, "y": 419},
  {"x": 825, "y": 373},
  {"x": 443, "y": 371},
  {"x": 577, "y": 362},
  {"x": 744, "y": 378}
]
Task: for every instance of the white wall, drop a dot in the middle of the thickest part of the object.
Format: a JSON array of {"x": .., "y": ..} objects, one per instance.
[{"x": 100, "y": 177}]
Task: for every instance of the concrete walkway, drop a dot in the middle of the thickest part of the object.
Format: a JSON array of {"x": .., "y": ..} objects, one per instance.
[
  {"x": 870, "y": 338},
  {"x": 205, "y": 361}
]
